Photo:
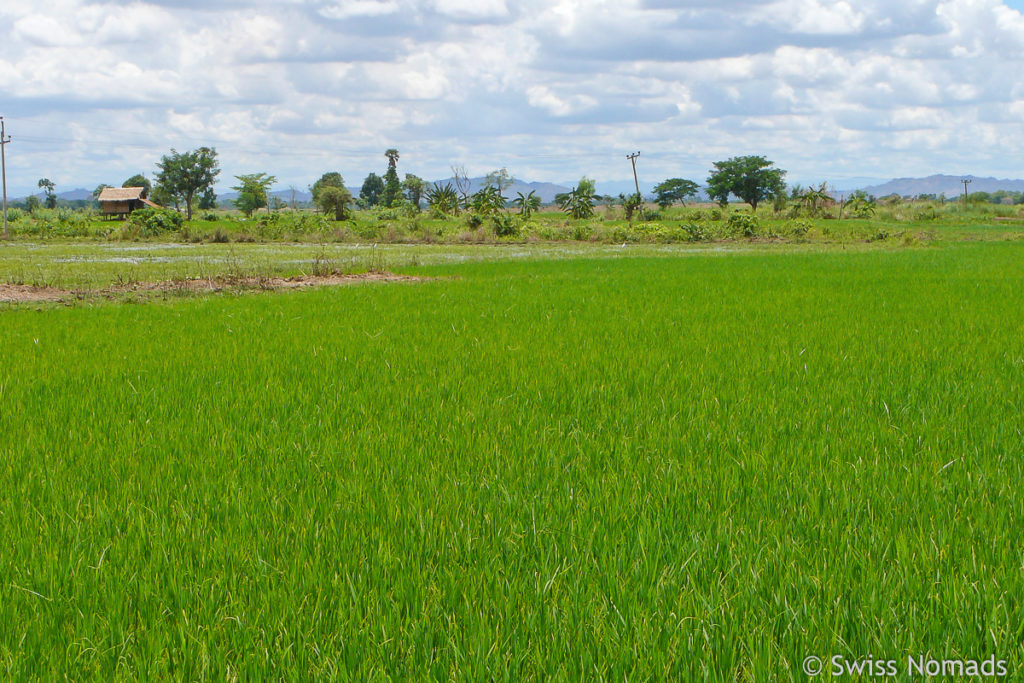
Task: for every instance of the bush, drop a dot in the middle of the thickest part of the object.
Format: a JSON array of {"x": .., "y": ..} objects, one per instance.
[
  {"x": 14, "y": 215},
  {"x": 582, "y": 232},
  {"x": 926, "y": 213},
  {"x": 695, "y": 232},
  {"x": 799, "y": 228},
  {"x": 474, "y": 220},
  {"x": 744, "y": 224},
  {"x": 152, "y": 222},
  {"x": 505, "y": 225}
]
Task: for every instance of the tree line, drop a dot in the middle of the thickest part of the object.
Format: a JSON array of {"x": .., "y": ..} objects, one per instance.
[{"x": 185, "y": 180}]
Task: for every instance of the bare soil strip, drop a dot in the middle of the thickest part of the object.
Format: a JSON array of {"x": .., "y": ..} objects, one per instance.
[{"x": 31, "y": 294}]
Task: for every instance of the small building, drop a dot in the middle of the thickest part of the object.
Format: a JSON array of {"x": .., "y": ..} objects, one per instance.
[{"x": 121, "y": 201}]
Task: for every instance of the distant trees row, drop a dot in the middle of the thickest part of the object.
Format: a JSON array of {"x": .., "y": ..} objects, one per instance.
[{"x": 186, "y": 179}]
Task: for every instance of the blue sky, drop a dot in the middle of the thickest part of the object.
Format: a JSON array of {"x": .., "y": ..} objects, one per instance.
[{"x": 829, "y": 89}]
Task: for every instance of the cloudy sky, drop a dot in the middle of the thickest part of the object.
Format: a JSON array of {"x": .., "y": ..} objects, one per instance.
[{"x": 831, "y": 90}]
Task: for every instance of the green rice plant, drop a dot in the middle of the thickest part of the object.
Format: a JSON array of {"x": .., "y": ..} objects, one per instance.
[
  {"x": 667, "y": 468},
  {"x": 692, "y": 467}
]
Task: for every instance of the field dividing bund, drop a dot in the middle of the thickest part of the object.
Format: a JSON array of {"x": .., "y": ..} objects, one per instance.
[{"x": 654, "y": 468}]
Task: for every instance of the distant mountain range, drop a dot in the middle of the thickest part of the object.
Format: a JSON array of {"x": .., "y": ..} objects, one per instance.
[{"x": 950, "y": 185}]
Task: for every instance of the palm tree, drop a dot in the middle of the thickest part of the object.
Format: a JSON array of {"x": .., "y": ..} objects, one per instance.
[
  {"x": 488, "y": 201},
  {"x": 814, "y": 198},
  {"x": 443, "y": 199},
  {"x": 527, "y": 203},
  {"x": 579, "y": 202},
  {"x": 392, "y": 155}
]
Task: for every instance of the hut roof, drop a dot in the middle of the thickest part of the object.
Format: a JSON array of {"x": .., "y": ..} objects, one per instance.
[{"x": 120, "y": 194}]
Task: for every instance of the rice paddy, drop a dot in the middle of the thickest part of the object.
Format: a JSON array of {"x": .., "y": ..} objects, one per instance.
[{"x": 611, "y": 465}]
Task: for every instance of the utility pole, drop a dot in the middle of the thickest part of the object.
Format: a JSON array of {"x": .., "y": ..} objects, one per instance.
[
  {"x": 4, "y": 139},
  {"x": 632, "y": 157},
  {"x": 966, "y": 182}
]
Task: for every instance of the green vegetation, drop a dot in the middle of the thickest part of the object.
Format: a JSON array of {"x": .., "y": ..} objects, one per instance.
[
  {"x": 578, "y": 203},
  {"x": 253, "y": 189},
  {"x": 139, "y": 180},
  {"x": 372, "y": 190},
  {"x": 183, "y": 175},
  {"x": 751, "y": 178},
  {"x": 49, "y": 188},
  {"x": 698, "y": 467},
  {"x": 674, "y": 190},
  {"x": 860, "y": 219}
]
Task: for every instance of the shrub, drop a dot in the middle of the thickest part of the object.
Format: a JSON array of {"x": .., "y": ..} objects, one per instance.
[
  {"x": 744, "y": 224},
  {"x": 505, "y": 225},
  {"x": 582, "y": 232},
  {"x": 474, "y": 220},
  {"x": 799, "y": 228},
  {"x": 14, "y": 215},
  {"x": 388, "y": 214},
  {"x": 695, "y": 232},
  {"x": 151, "y": 222}
]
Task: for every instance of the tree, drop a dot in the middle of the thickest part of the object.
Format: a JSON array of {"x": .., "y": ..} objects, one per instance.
[
  {"x": 252, "y": 191},
  {"x": 392, "y": 186},
  {"x": 751, "y": 178},
  {"x": 414, "y": 189},
  {"x": 334, "y": 199},
  {"x": 161, "y": 196},
  {"x": 372, "y": 189},
  {"x": 329, "y": 179},
  {"x": 500, "y": 179},
  {"x": 630, "y": 204},
  {"x": 527, "y": 203},
  {"x": 51, "y": 196},
  {"x": 860, "y": 205},
  {"x": 443, "y": 199},
  {"x": 208, "y": 200},
  {"x": 184, "y": 175},
  {"x": 813, "y": 199},
  {"x": 488, "y": 201},
  {"x": 579, "y": 202},
  {"x": 462, "y": 183},
  {"x": 674, "y": 190},
  {"x": 32, "y": 203},
  {"x": 139, "y": 180}
]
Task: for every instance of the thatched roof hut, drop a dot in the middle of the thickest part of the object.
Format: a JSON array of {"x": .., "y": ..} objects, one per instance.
[{"x": 121, "y": 201}]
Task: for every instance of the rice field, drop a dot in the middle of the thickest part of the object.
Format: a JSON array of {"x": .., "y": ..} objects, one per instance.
[{"x": 638, "y": 466}]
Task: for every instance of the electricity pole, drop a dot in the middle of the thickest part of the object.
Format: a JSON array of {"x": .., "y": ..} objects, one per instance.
[
  {"x": 966, "y": 182},
  {"x": 4, "y": 139},
  {"x": 632, "y": 157}
]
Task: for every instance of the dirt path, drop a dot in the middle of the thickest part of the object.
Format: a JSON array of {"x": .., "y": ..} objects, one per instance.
[{"x": 30, "y": 294}]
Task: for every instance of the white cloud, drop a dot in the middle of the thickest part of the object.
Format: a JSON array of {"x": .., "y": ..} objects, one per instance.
[
  {"x": 472, "y": 9},
  {"x": 865, "y": 87},
  {"x": 359, "y": 8},
  {"x": 542, "y": 97}
]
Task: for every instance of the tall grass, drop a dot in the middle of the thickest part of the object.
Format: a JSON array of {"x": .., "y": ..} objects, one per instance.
[{"x": 643, "y": 469}]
